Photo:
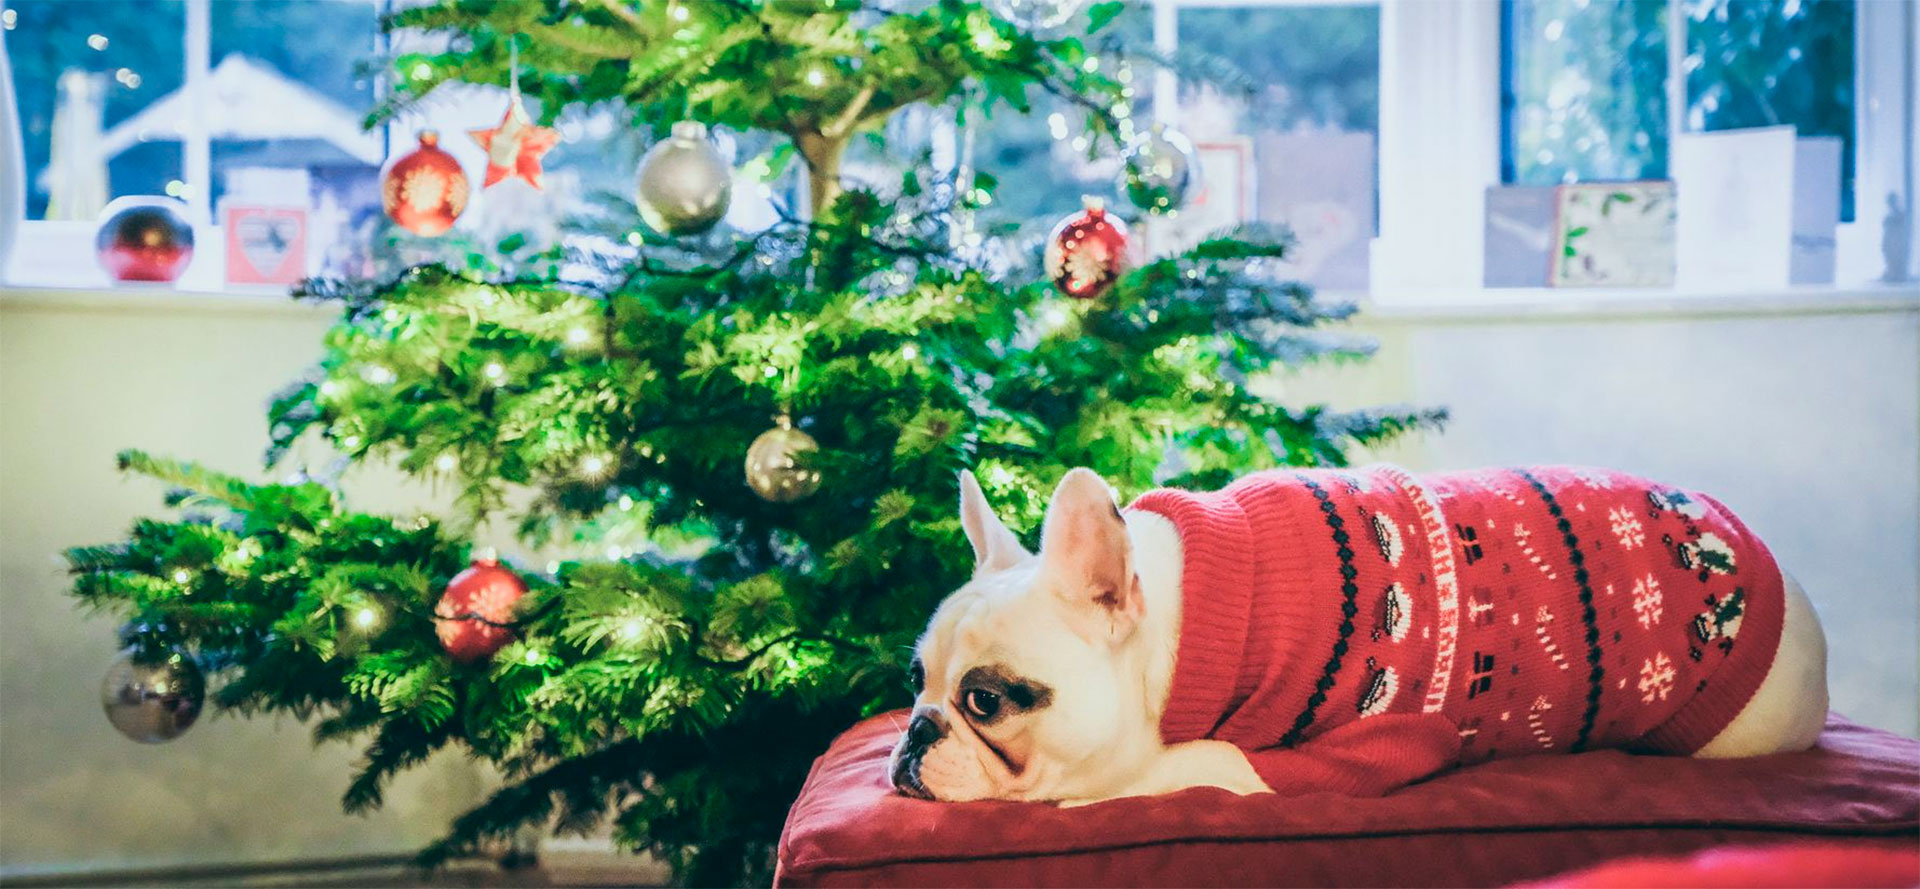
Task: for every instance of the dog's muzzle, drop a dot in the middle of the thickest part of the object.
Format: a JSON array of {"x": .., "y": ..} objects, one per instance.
[{"x": 923, "y": 731}]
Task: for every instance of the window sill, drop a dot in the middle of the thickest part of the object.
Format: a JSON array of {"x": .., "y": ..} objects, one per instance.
[
  {"x": 1551, "y": 305},
  {"x": 157, "y": 299}
]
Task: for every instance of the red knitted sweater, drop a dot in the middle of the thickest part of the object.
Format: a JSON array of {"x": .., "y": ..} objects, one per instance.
[{"x": 1359, "y": 630}]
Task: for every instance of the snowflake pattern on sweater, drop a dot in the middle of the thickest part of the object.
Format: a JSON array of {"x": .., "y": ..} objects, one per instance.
[{"x": 1357, "y": 629}]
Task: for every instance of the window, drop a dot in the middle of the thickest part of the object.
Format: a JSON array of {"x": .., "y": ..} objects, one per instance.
[
  {"x": 1586, "y": 92},
  {"x": 106, "y": 112}
]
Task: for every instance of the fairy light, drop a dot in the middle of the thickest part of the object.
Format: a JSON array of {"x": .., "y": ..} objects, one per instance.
[
  {"x": 128, "y": 78},
  {"x": 182, "y": 575},
  {"x": 770, "y": 372},
  {"x": 679, "y": 12},
  {"x": 422, "y": 71},
  {"x": 445, "y": 462},
  {"x": 351, "y": 442},
  {"x": 816, "y": 77},
  {"x": 626, "y": 502},
  {"x": 494, "y": 371},
  {"x": 329, "y": 388},
  {"x": 1092, "y": 64},
  {"x": 632, "y": 627},
  {"x": 9, "y": 18},
  {"x": 593, "y": 465},
  {"x": 533, "y": 656},
  {"x": 378, "y": 374},
  {"x": 579, "y": 336},
  {"x": 615, "y": 553},
  {"x": 97, "y": 41},
  {"x": 1057, "y": 125},
  {"x": 366, "y": 618},
  {"x": 553, "y": 566}
]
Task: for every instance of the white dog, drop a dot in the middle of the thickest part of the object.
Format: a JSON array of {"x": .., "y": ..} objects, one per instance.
[{"x": 1353, "y": 631}]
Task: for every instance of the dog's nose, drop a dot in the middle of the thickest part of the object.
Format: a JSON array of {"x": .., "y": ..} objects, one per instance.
[{"x": 925, "y": 728}]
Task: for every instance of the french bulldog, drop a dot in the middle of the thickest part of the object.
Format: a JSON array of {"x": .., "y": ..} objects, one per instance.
[{"x": 1352, "y": 631}]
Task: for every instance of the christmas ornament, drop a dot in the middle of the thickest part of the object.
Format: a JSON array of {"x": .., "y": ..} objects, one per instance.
[
  {"x": 425, "y": 191},
  {"x": 1087, "y": 252},
  {"x": 152, "y": 699},
  {"x": 1037, "y": 15},
  {"x": 684, "y": 184},
  {"x": 773, "y": 470},
  {"x": 144, "y": 239},
  {"x": 477, "y": 601},
  {"x": 1160, "y": 170},
  {"x": 514, "y": 147}
]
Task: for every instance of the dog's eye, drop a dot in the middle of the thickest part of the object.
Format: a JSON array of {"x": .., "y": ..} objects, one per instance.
[
  {"x": 919, "y": 674},
  {"x": 981, "y": 703}
]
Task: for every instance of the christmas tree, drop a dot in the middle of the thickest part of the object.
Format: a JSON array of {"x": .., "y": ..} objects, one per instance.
[{"x": 850, "y": 360}]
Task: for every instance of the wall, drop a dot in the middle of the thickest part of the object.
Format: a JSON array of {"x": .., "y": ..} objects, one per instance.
[
  {"x": 1802, "y": 415},
  {"x": 81, "y": 377}
]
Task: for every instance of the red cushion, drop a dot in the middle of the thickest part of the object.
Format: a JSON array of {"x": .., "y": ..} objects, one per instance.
[
  {"x": 1775, "y": 867},
  {"x": 1491, "y": 824}
]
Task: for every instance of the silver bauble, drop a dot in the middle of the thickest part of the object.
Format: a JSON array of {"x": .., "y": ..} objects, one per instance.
[
  {"x": 1037, "y": 15},
  {"x": 1160, "y": 170},
  {"x": 152, "y": 699},
  {"x": 773, "y": 470},
  {"x": 684, "y": 184}
]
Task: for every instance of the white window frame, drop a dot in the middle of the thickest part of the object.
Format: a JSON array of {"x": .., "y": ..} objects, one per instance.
[{"x": 1439, "y": 145}]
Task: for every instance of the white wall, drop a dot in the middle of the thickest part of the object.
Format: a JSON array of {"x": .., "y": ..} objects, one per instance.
[
  {"x": 79, "y": 379},
  {"x": 1804, "y": 417}
]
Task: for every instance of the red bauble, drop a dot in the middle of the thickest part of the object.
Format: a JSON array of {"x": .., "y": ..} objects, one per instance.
[
  {"x": 1087, "y": 252},
  {"x": 485, "y": 592},
  {"x": 425, "y": 191},
  {"x": 144, "y": 239}
]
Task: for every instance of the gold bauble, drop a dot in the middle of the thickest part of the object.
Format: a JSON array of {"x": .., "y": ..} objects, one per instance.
[{"x": 774, "y": 470}]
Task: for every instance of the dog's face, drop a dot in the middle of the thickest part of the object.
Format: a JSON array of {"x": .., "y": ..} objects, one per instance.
[{"x": 1025, "y": 692}]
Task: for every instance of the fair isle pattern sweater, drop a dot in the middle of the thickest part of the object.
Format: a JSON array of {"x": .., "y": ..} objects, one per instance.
[{"x": 1356, "y": 630}]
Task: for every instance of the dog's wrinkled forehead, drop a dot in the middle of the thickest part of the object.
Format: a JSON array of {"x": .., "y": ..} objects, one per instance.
[{"x": 986, "y": 619}]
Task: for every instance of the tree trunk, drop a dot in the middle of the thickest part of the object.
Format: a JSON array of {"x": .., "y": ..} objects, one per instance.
[{"x": 822, "y": 155}]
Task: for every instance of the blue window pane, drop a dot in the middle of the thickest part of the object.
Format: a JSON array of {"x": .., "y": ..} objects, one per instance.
[
  {"x": 1585, "y": 91},
  {"x": 1756, "y": 63},
  {"x": 118, "y": 56}
]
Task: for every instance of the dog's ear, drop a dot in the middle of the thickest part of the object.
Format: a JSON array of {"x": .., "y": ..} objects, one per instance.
[
  {"x": 994, "y": 547},
  {"x": 1087, "y": 557}
]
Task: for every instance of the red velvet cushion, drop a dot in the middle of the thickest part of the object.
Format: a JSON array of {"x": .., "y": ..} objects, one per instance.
[{"x": 1491, "y": 824}]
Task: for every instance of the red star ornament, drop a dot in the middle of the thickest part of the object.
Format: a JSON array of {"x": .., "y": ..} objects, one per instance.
[{"x": 514, "y": 147}]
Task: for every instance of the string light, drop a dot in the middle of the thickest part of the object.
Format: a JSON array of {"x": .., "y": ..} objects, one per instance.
[
  {"x": 97, "y": 41},
  {"x": 533, "y": 656},
  {"x": 494, "y": 371},
  {"x": 632, "y": 627},
  {"x": 816, "y": 77},
  {"x": 9, "y": 18},
  {"x": 329, "y": 388},
  {"x": 579, "y": 336},
  {"x": 626, "y": 502},
  {"x": 770, "y": 372},
  {"x": 908, "y": 352},
  {"x": 615, "y": 553},
  {"x": 378, "y": 374},
  {"x": 366, "y": 618},
  {"x": 679, "y": 12},
  {"x": 445, "y": 462},
  {"x": 593, "y": 465},
  {"x": 182, "y": 575},
  {"x": 422, "y": 71}
]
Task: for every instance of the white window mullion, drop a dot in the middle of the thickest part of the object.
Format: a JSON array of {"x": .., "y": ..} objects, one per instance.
[
  {"x": 1439, "y": 146},
  {"x": 196, "y": 143}
]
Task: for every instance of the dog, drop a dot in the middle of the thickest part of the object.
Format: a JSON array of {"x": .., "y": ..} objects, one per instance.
[{"x": 1352, "y": 631}]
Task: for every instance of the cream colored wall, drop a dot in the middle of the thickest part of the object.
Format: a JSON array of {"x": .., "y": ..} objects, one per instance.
[
  {"x": 1806, "y": 420},
  {"x": 81, "y": 378}
]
